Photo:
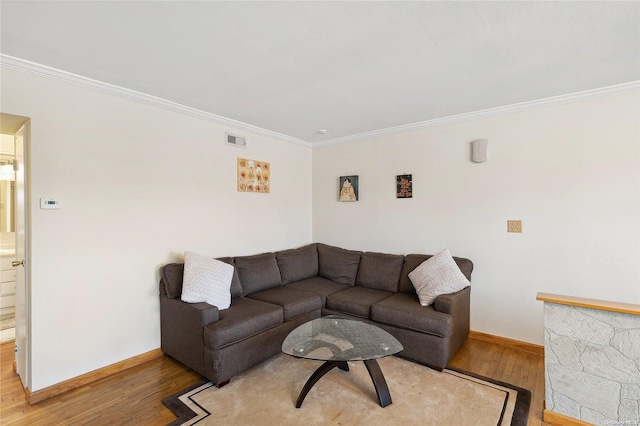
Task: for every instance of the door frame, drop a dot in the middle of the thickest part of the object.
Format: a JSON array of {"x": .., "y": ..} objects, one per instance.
[{"x": 12, "y": 125}]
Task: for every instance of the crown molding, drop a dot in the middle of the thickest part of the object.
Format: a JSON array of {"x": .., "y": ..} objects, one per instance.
[
  {"x": 619, "y": 89},
  {"x": 88, "y": 83},
  {"x": 111, "y": 89}
]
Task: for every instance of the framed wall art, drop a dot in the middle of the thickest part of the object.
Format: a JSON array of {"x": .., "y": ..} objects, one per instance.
[
  {"x": 348, "y": 189},
  {"x": 253, "y": 175},
  {"x": 404, "y": 186}
]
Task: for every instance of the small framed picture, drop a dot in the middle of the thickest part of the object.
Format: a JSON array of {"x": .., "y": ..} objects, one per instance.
[
  {"x": 404, "y": 186},
  {"x": 254, "y": 176},
  {"x": 348, "y": 190}
]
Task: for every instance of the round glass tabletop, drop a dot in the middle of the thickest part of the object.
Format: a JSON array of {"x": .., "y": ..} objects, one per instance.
[{"x": 334, "y": 338}]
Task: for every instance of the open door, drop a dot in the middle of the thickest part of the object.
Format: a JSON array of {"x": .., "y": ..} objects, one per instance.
[{"x": 21, "y": 263}]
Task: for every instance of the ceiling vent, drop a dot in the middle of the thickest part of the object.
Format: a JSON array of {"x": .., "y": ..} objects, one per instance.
[{"x": 236, "y": 140}]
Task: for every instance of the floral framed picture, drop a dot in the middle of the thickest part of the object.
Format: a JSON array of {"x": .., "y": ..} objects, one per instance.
[
  {"x": 348, "y": 189},
  {"x": 254, "y": 175},
  {"x": 404, "y": 186}
]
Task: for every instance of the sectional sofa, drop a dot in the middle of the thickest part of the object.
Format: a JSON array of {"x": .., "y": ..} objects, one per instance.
[{"x": 273, "y": 293}]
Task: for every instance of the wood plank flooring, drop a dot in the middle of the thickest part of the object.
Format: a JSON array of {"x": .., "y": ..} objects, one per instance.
[
  {"x": 518, "y": 367},
  {"x": 133, "y": 397}
]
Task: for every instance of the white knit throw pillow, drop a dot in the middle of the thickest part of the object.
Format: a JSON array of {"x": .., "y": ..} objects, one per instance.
[
  {"x": 437, "y": 275},
  {"x": 206, "y": 280}
]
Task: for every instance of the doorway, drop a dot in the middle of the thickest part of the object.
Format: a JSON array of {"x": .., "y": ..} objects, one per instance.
[
  {"x": 14, "y": 227},
  {"x": 7, "y": 238}
]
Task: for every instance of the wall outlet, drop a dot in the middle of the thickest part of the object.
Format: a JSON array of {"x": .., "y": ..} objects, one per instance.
[{"x": 514, "y": 226}]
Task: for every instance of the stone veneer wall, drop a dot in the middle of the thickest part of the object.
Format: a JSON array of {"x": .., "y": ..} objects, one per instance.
[{"x": 592, "y": 364}]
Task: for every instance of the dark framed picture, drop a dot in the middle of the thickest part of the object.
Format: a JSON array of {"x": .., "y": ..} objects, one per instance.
[
  {"x": 404, "y": 186},
  {"x": 348, "y": 189}
]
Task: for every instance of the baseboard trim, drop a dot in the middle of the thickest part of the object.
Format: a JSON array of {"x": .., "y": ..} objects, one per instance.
[
  {"x": 554, "y": 419},
  {"x": 92, "y": 376},
  {"x": 510, "y": 343}
]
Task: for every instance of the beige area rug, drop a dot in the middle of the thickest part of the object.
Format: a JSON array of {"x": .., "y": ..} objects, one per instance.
[{"x": 266, "y": 395}]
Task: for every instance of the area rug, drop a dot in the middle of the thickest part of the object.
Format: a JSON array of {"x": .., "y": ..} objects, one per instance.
[{"x": 266, "y": 395}]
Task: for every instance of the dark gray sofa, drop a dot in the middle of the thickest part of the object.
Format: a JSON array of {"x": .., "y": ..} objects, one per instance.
[{"x": 273, "y": 293}]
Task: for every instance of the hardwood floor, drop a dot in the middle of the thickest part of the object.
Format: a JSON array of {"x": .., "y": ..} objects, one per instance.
[
  {"x": 133, "y": 397},
  {"x": 518, "y": 367}
]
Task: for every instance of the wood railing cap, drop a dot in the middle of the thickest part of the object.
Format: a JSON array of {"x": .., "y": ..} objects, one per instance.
[{"x": 604, "y": 305}]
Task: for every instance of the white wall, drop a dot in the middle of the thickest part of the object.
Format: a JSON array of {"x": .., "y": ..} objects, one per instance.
[
  {"x": 571, "y": 173},
  {"x": 139, "y": 185}
]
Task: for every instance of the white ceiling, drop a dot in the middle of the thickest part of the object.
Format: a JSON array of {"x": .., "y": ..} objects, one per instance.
[{"x": 347, "y": 67}]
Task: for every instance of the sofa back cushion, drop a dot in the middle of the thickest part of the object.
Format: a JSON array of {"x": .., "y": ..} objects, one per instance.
[
  {"x": 380, "y": 271},
  {"x": 258, "y": 272},
  {"x": 298, "y": 264},
  {"x": 412, "y": 261},
  {"x": 338, "y": 264},
  {"x": 236, "y": 287},
  {"x": 172, "y": 274}
]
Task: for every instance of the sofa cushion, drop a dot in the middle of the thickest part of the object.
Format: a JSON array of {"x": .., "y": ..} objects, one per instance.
[
  {"x": 293, "y": 302},
  {"x": 436, "y": 276},
  {"x": 404, "y": 311},
  {"x": 245, "y": 318},
  {"x": 319, "y": 286},
  {"x": 206, "y": 280},
  {"x": 258, "y": 272},
  {"x": 236, "y": 287},
  {"x": 411, "y": 261},
  {"x": 356, "y": 300},
  {"x": 298, "y": 264},
  {"x": 380, "y": 271},
  {"x": 171, "y": 275},
  {"x": 338, "y": 264}
]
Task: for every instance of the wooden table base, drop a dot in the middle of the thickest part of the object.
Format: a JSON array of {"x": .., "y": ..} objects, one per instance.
[{"x": 379, "y": 383}]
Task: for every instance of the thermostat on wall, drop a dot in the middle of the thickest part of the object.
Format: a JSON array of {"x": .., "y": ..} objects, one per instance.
[{"x": 50, "y": 204}]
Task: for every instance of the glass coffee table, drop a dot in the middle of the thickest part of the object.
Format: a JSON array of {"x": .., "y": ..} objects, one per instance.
[{"x": 336, "y": 340}]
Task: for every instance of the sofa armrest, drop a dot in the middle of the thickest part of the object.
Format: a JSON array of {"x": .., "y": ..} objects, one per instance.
[
  {"x": 451, "y": 303},
  {"x": 186, "y": 314},
  {"x": 181, "y": 330},
  {"x": 458, "y": 305}
]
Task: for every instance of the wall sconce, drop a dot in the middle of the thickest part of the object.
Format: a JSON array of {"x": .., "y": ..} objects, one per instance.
[{"x": 479, "y": 150}]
